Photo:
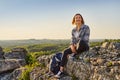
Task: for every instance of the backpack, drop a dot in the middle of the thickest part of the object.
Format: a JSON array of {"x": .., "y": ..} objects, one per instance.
[{"x": 55, "y": 63}]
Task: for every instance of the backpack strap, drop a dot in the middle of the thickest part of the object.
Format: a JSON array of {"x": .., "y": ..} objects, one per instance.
[{"x": 57, "y": 59}]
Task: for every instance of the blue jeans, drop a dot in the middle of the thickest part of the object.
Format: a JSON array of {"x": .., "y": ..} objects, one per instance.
[{"x": 83, "y": 47}]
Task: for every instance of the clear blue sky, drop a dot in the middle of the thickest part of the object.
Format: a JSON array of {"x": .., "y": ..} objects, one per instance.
[{"x": 51, "y": 19}]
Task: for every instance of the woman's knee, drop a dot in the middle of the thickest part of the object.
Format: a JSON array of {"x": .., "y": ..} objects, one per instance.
[
  {"x": 68, "y": 51},
  {"x": 83, "y": 47},
  {"x": 65, "y": 52}
]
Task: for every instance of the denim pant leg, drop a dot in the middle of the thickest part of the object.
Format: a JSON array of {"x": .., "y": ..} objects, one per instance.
[
  {"x": 64, "y": 57},
  {"x": 83, "y": 46}
]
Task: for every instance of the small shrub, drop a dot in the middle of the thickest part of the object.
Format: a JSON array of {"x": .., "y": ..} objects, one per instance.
[
  {"x": 109, "y": 64},
  {"x": 30, "y": 59},
  {"x": 26, "y": 74},
  {"x": 93, "y": 44}
]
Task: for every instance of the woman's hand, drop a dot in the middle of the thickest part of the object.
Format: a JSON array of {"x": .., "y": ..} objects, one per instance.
[{"x": 73, "y": 48}]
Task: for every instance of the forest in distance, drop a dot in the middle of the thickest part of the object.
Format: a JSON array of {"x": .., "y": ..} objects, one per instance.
[{"x": 9, "y": 43}]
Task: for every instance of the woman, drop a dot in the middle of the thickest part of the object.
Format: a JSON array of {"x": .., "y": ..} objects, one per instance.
[{"x": 79, "y": 42}]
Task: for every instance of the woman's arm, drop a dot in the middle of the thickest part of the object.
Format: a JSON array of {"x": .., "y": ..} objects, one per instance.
[
  {"x": 86, "y": 35},
  {"x": 73, "y": 48},
  {"x": 73, "y": 43},
  {"x": 73, "y": 39}
]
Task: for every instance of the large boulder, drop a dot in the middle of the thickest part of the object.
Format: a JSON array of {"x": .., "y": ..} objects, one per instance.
[
  {"x": 97, "y": 70},
  {"x": 111, "y": 45},
  {"x": 11, "y": 64},
  {"x": 15, "y": 75},
  {"x": 78, "y": 69},
  {"x": 16, "y": 53},
  {"x": 104, "y": 65}
]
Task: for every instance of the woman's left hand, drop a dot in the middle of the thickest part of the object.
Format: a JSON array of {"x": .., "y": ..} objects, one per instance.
[{"x": 73, "y": 48}]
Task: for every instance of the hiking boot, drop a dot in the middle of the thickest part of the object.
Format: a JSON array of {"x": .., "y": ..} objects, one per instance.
[{"x": 58, "y": 75}]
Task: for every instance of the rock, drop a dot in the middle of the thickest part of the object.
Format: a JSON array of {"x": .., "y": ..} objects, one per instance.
[
  {"x": 105, "y": 45},
  {"x": 10, "y": 64},
  {"x": 5, "y": 76},
  {"x": 78, "y": 69},
  {"x": 104, "y": 65},
  {"x": 105, "y": 73},
  {"x": 96, "y": 48},
  {"x": 15, "y": 75},
  {"x": 45, "y": 59},
  {"x": 100, "y": 63},
  {"x": 97, "y": 61},
  {"x": 117, "y": 46},
  {"x": 38, "y": 74},
  {"x": 1, "y": 53},
  {"x": 111, "y": 45},
  {"x": 16, "y": 53},
  {"x": 114, "y": 45},
  {"x": 66, "y": 78}
]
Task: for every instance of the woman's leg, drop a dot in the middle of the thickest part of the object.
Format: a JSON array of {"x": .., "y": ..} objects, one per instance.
[
  {"x": 83, "y": 46},
  {"x": 64, "y": 61},
  {"x": 65, "y": 57}
]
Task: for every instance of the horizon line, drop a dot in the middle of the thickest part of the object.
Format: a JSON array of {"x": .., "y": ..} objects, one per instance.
[{"x": 53, "y": 39}]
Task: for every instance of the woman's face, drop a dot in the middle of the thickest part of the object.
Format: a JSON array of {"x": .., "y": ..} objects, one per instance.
[{"x": 78, "y": 19}]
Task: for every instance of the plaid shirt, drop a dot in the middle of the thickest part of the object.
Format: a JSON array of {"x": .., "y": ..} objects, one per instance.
[{"x": 84, "y": 34}]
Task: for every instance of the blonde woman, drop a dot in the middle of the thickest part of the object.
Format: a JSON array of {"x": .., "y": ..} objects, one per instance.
[{"x": 79, "y": 41}]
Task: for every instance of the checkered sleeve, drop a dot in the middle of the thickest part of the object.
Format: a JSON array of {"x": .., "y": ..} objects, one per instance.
[
  {"x": 86, "y": 35},
  {"x": 73, "y": 39}
]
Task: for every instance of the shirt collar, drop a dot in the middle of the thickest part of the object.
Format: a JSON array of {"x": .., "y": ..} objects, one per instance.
[{"x": 80, "y": 27}]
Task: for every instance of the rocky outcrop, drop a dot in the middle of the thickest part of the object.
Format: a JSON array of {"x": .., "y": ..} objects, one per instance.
[
  {"x": 99, "y": 63},
  {"x": 10, "y": 66},
  {"x": 16, "y": 53},
  {"x": 14, "y": 75},
  {"x": 111, "y": 45},
  {"x": 78, "y": 69},
  {"x": 96, "y": 69},
  {"x": 39, "y": 73}
]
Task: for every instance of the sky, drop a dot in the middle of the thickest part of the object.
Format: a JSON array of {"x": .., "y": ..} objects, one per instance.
[{"x": 51, "y": 19}]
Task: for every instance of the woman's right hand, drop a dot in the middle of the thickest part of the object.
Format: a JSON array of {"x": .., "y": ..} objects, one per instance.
[{"x": 73, "y": 48}]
